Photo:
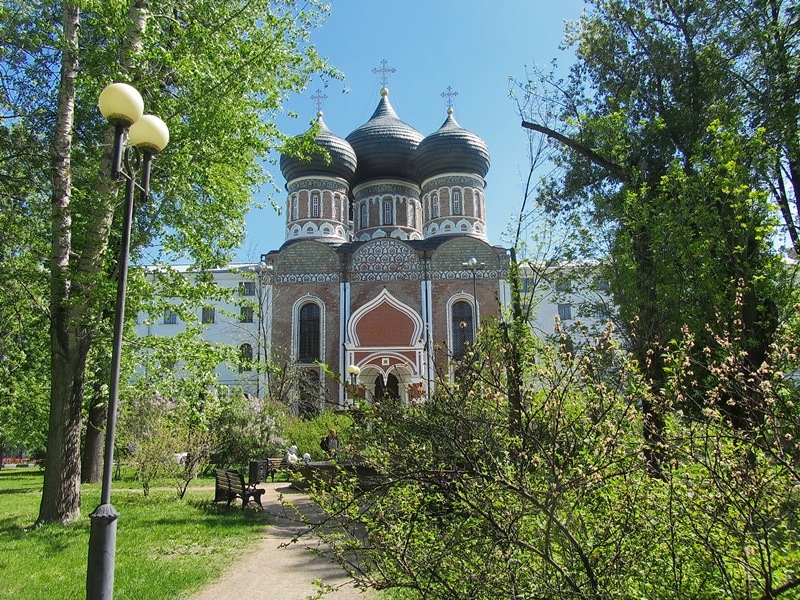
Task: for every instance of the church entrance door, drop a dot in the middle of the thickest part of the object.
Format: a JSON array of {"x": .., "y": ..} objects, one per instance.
[{"x": 391, "y": 388}]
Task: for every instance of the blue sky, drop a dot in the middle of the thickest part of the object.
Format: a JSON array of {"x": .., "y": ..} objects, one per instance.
[{"x": 473, "y": 46}]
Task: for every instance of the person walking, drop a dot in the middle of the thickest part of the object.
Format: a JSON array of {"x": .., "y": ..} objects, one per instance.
[{"x": 331, "y": 444}]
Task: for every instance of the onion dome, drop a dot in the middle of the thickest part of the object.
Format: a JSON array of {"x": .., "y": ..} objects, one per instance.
[
  {"x": 385, "y": 145},
  {"x": 451, "y": 149},
  {"x": 342, "y": 163}
]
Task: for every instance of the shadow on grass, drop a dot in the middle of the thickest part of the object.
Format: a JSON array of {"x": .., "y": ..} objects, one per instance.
[{"x": 13, "y": 481}]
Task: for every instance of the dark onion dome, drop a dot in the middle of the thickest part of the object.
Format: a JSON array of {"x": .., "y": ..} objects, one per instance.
[
  {"x": 451, "y": 149},
  {"x": 343, "y": 158},
  {"x": 385, "y": 145}
]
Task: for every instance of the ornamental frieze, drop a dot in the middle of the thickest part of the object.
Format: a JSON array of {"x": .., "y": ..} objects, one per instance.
[
  {"x": 452, "y": 181},
  {"x": 468, "y": 274},
  {"x": 316, "y": 184},
  {"x": 387, "y": 188},
  {"x": 307, "y": 278}
]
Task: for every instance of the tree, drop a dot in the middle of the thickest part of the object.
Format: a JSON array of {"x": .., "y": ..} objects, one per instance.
[
  {"x": 649, "y": 101},
  {"x": 23, "y": 291},
  {"x": 215, "y": 92},
  {"x": 766, "y": 34}
]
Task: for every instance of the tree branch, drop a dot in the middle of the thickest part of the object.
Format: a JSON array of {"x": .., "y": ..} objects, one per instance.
[{"x": 614, "y": 169}]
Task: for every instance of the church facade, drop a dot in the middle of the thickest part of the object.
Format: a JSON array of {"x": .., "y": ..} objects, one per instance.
[{"x": 386, "y": 271}]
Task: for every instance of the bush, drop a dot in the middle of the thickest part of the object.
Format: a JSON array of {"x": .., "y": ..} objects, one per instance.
[
  {"x": 306, "y": 434},
  {"x": 248, "y": 428}
]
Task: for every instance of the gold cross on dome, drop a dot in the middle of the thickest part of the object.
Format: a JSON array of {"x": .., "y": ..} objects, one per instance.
[
  {"x": 318, "y": 98},
  {"x": 383, "y": 71},
  {"x": 449, "y": 94}
]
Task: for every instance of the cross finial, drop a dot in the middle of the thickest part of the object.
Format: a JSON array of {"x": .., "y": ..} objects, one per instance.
[
  {"x": 383, "y": 71},
  {"x": 449, "y": 94},
  {"x": 318, "y": 98}
]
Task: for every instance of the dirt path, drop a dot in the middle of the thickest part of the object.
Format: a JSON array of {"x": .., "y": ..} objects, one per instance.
[{"x": 276, "y": 573}]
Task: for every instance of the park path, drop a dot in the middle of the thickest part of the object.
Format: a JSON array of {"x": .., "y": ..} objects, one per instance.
[{"x": 273, "y": 572}]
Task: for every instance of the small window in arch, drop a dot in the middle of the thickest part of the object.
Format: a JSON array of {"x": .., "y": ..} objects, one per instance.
[
  {"x": 315, "y": 206},
  {"x": 412, "y": 214},
  {"x": 296, "y": 209},
  {"x": 363, "y": 215},
  {"x": 387, "y": 212},
  {"x": 435, "y": 206},
  {"x": 245, "y": 357},
  {"x": 462, "y": 328},
  {"x": 246, "y": 314},
  {"x": 456, "y": 203},
  {"x": 308, "y": 349}
]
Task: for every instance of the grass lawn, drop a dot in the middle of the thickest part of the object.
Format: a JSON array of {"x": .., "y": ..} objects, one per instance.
[{"x": 166, "y": 548}]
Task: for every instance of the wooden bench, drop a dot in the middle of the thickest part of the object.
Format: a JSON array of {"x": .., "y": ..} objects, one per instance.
[
  {"x": 277, "y": 465},
  {"x": 230, "y": 485}
]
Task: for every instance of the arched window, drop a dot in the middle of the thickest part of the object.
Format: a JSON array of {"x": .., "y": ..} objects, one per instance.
[
  {"x": 296, "y": 210},
  {"x": 308, "y": 346},
  {"x": 412, "y": 214},
  {"x": 462, "y": 328},
  {"x": 456, "y": 203},
  {"x": 245, "y": 357},
  {"x": 387, "y": 212},
  {"x": 363, "y": 216},
  {"x": 435, "y": 206},
  {"x": 315, "y": 206}
]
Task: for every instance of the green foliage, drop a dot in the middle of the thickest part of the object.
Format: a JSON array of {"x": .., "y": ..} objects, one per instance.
[
  {"x": 164, "y": 439},
  {"x": 24, "y": 343},
  {"x": 467, "y": 505},
  {"x": 248, "y": 428},
  {"x": 671, "y": 180},
  {"x": 217, "y": 94},
  {"x": 307, "y": 433}
]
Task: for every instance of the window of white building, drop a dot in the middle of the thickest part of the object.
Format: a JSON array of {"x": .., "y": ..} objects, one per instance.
[{"x": 565, "y": 312}]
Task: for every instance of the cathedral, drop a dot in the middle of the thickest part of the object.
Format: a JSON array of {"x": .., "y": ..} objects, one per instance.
[{"x": 386, "y": 272}]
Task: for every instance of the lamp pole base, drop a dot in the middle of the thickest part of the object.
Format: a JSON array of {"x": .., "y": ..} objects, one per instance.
[{"x": 102, "y": 550}]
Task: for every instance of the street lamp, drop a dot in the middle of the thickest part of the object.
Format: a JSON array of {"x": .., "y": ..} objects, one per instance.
[
  {"x": 473, "y": 264},
  {"x": 122, "y": 106},
  {"x": 354, "y": 372}
]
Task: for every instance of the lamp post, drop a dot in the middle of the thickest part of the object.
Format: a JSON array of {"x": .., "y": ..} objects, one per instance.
[
  {"x": 353, "y": 371},
  {"x": 473, "y": 264},
  {"x": 262, "y": 268},
  {"x": 122, "y": 106}
]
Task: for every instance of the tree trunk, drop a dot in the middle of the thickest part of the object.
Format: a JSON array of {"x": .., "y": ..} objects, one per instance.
[
  {"x": 61, "y": 491},
  {"x": 93, "y": 442}
]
